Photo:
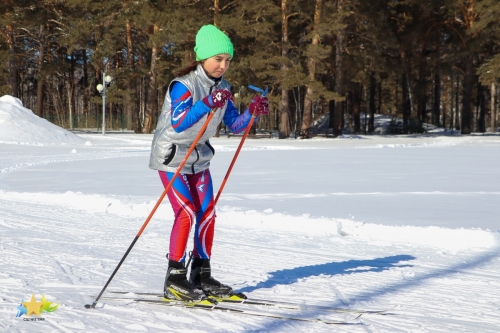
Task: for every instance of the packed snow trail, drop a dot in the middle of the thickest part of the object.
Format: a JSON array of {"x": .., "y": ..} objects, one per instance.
[{"x": 66, "y": 255}]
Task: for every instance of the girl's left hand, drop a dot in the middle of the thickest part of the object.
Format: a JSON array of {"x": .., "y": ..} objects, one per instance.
[{"x": 259, "y": 106}]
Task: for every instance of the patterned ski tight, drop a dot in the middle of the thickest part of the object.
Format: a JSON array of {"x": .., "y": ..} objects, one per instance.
[{"x": 192, "y": 200}]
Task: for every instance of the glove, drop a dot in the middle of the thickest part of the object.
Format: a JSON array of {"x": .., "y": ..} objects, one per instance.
[
  {"x": 217, "y": 98},
  {"x": 259, "y": 106}
]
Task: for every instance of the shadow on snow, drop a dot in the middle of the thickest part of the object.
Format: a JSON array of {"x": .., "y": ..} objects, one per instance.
[{"x": 292, "y": 275}]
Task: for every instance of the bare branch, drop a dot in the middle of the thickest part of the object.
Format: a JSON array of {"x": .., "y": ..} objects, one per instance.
[
  {"x": 55, "y": 10},
  {"x": 228, "y": 5},
  {"x": 59, "y": 23},
  {"x": 4, "y": 34}
]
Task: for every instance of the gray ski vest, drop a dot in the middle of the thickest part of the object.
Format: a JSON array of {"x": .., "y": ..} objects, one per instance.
[{"x": 169, "y": 148}]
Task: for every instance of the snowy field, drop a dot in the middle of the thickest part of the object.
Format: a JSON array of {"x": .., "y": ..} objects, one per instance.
[{"x": 372, "y": 222}]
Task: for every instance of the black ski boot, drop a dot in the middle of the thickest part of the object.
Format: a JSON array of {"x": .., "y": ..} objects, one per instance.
[
  {"x": 177, "y": 286},
  {"x": 201, "y": 278}
]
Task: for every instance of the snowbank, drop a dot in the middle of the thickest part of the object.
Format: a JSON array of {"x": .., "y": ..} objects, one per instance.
[{"x": 19, "y": 125}]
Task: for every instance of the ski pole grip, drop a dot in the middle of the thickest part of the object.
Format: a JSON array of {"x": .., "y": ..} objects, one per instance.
[{"x": 263, "y": 92}]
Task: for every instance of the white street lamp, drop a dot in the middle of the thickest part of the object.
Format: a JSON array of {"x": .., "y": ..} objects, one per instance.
[{"x": 106, "y": 79}]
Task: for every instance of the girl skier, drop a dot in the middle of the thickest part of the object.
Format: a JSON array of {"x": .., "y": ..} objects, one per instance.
[{"x": 199, "y": 88}]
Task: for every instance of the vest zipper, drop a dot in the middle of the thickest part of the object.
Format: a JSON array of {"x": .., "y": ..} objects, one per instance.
[{"x": 214, "y": 86}]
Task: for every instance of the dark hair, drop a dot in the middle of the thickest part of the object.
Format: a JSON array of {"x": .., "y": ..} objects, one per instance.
[{"x": 188, "y": 69}]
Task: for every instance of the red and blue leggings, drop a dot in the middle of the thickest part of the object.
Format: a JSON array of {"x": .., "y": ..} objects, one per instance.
[{"x": 192, "y": 200}]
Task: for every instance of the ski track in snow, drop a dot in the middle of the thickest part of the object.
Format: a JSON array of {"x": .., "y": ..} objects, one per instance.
[
  {"x": 66, "y": 245},
  {"x": 50, "y": 255}
]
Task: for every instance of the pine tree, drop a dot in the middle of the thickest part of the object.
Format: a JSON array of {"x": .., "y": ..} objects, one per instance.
[
  {"x": 474, "y": 26},
  {"x": 489, "y": 71},
  {"x": 11, "y": 18},
  {"x": 316, "y": 55},
  {"x": 166, "y": 31}
]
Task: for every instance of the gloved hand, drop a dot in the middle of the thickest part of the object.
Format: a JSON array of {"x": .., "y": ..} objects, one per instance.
[
  {"x": 217, "y": 98},
  {"x": 259, "y": 106}
]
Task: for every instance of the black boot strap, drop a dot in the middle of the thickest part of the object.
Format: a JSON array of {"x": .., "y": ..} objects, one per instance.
[
  {"x": 177, "y": 271},
  {"x": 205, "y": 270}
]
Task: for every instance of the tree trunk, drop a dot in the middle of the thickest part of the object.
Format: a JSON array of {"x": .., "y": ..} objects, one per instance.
[
  {"x": 13, "y": 69},
  {"x": 437, "y": 98},
  {"x": 492, "y": 109},
  {"x": 284, "y": 131},
  {"x": 130, "y": 62},
  {"x": 71, "y": 90},
  {"x": 349, "y": 113},
  {"x": 39, "y": 88},
  {"x": 131, "y": 103},
  {"x": 467, "y": 99},
  {"x": 373, "y": 88},
  {"x": 379, "y": 104},
  {"x": 356, "y": 108},
  {"x": 421, "y": 92},
  {"x": 406, "y": 102},
  {"x": 307, "y": 118},
  {"x": 452, "y": 82},
  {"x": 396, "y": 96},
  {"x": 151, "y": 102},
  {"x": 216, "y": 12},
  {"x": 482, "y": 110},
  {"x": 457, "y": 104},
  {"x": 476, "y": 117},
  {"x": 85, "y": 85},
  {"x": 337, "y": 113}
]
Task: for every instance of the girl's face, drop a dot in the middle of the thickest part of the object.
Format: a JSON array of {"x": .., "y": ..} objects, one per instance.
[{"x": 216, "y": 66}]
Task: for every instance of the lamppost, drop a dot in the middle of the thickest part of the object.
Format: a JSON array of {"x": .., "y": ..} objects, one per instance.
[{"x": 106, "y": 79}]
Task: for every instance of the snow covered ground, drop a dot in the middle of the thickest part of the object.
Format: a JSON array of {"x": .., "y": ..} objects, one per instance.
[{"x": 359, "y": 221}]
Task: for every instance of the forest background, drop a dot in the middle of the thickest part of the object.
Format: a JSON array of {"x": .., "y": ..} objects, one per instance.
[{"x": 422, "y": 61}]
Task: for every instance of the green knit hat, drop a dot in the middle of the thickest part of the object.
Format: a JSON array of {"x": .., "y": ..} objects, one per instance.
[{"x": 211, "y": 41}]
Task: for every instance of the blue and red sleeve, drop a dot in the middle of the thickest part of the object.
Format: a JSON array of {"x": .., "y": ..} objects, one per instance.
[
  {"x": 184, "y": 113},
  {"x": 233, "y": 120}
]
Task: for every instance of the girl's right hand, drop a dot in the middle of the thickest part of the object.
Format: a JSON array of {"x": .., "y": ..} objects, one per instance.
[{"x": 217, "y": 98}]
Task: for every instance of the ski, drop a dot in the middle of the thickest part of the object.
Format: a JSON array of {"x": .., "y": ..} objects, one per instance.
[
  {"x": 211, "y": 305},
  {"x": 242, "y": 299}
]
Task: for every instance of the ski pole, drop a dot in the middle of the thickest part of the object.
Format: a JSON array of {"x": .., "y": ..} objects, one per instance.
[
  {"x": 245, "y": 134},
  {"x": 160, "y": 199}
]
